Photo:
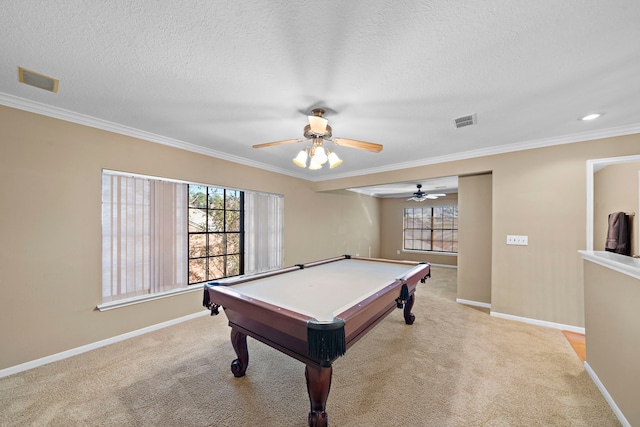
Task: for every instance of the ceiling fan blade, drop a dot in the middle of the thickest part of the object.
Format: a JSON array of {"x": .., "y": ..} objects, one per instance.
[
  {"x": 369, "y": 146},
  {"x": 272, "y": 144}
]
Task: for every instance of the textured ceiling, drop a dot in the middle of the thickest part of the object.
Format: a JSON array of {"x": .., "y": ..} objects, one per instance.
[{"x": 220, "y": 76}]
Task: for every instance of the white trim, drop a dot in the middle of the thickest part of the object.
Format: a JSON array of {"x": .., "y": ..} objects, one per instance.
[
  {"x": 181, "y": 181},
  {"x": 413, "y": 251},
  {"x": 443, "y": 265},
  {"x": 145, "y": 298},
  {"x": 544, "y": 323},
  {"x": 82, "y": 119},
  {"x": 606, "y": 395},
  {"x": 501, "y": 149},
  {"x": 620, "y": 263},
  {"x": 474, "y": 303},
  {"x": 83, "y": 349},
  {"x": 593, "y": 166},
  {"x": 73, "y": 117}
]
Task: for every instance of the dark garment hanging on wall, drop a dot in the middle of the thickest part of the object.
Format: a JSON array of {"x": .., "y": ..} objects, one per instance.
[{"x": 619, "y": 234}]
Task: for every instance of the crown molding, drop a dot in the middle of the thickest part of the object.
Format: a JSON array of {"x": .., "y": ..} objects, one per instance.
[
  {"x": 501, "y": 149},
  {"x": 82, "y": 119},
  {"x": 85, "y": 120}
]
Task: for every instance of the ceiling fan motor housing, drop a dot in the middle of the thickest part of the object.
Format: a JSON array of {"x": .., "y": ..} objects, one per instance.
[{"x": 309, "y": 134}]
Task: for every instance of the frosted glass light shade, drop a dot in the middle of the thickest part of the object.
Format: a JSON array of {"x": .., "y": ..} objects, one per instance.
[
  {"x": 301, "y": 159},
  {"x": 313, "y": 165},
  {"x": 334, "y": 160},
  {"x": 318, "y": 125},
  {"x": 319, "y": 155}
]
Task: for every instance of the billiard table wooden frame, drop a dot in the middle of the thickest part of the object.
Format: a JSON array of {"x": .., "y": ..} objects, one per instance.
[{"x": 294, "y": 333}]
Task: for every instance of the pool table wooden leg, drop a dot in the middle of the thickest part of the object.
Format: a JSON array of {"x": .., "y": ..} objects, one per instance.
[
  {"x": 239, "y": 342},
  {"x": 318, "y": 385},
  {"x": 409, "y": 318}
]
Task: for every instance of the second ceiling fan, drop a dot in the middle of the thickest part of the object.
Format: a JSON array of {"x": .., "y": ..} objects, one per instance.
[
  {"x": 420, "y": 196},
  {"x": 318, "y": 131}
]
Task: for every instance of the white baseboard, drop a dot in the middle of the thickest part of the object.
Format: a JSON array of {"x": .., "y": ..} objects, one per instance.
[
  {"x": 474, "y": 303},
  {"x": 553, "y": 325},
  {"x": 607, "y": 396},
  {"x": 443, "y": 265},
  {"x": 82, "y": 349}
]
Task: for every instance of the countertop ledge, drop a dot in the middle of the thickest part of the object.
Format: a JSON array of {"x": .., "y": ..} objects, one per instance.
[{"x": 620, "y": 263}]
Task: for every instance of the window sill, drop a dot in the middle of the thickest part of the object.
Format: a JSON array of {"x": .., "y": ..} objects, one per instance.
[
  {"x": 145, "y": 298},
  {"x": 430, "y": 252}
]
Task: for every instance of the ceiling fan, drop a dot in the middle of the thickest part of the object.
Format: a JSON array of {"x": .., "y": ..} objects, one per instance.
[
  {"x": 420, "y": 195},
  {"x": 318, "y": 131}
]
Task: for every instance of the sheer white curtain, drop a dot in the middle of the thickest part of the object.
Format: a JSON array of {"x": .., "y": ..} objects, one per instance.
[
  {"x": 144, "y": 236},
  {"x": 263, "y": 221}
]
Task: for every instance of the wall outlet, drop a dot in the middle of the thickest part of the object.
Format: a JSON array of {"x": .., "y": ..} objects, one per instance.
[
  {"x": 517, "y": 240},
  {"x": 398, "y": 252}
]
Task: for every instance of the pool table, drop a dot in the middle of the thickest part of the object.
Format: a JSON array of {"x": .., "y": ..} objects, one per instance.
[{"x": 314, "y": 312}]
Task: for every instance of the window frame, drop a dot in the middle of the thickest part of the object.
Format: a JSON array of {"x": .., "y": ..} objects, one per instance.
[
  {"x": 210, "y": 209},
  {"x": 431, "y": 230},
  {"x": 246, "y": 251}
]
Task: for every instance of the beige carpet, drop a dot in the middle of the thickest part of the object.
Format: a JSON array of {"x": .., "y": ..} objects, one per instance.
[{"x": 456, "y": 366}]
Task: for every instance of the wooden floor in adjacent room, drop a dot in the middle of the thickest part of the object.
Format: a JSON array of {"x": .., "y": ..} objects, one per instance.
[{"x": 577, "y": 341}]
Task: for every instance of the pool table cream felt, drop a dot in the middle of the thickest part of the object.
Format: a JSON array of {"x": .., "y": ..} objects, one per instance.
[{"x": 324, "y": 291}]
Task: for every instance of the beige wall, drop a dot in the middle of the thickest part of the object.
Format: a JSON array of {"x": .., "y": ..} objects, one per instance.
[
  {"x": 50, "y": 257},
  {"x": 50, "y": 228},
  {"x": 391, "y": 226},
  {"x": 540, "y": 193},
  {"x": 474, "y": 230},
  {"x": 615, "y": 189},
  {"x": 612, "y": 338}
]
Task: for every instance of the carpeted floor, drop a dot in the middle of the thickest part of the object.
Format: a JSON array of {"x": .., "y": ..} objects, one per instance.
[{"x": 456, "y": 366}]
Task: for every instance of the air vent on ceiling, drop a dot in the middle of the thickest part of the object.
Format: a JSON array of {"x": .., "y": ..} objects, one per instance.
[
  {"x": 465, "y": 120},
  {"x": 38, "y": 80}
]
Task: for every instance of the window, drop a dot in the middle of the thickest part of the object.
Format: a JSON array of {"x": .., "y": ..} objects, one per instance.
[
  {"x": 215, "y": 233},
  {"x": 144, "y": 235},
  {"x": 433, "y": 228},
  {"x": 160, "y": 236}
]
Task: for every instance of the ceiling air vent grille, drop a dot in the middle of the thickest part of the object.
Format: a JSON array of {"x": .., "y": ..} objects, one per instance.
[
  {"x": 465, "y": 121},
  {"x": 38, "y": 80}
]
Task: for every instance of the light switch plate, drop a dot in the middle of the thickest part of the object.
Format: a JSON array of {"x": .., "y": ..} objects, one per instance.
[{"x": 517, "y": 240}]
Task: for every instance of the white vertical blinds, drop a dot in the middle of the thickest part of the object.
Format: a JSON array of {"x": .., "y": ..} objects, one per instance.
[
  {"x": 264, "y": 219},
  {"x": 145, "y": 235}
]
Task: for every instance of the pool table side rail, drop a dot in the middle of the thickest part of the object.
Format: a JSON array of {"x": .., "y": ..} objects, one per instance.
[
  {"x": 287, "y": 330},
  {"x": 264, "y": 321},
  {"x": 363, "y": 316}
]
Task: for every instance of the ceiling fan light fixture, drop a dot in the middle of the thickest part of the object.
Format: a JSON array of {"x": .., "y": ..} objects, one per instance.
[
  {"x": 334, "y": 160},
  {"x": 301, "y": 158},
  {"x": 318, "y": 125},
  {"x": 319, "y": 156},
  {"x": 318, "y": 131},
  {"x": 314, "y": 165}
]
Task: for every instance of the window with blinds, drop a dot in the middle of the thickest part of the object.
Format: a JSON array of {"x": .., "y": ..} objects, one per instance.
[
  {"x": 161, "y": 236},
  {"x": 431, "y": 228}
]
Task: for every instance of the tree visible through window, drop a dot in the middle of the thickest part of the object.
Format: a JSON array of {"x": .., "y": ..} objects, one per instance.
[
  {"x": 433, "y": 228},
  {"x": 215, "y": 233}
]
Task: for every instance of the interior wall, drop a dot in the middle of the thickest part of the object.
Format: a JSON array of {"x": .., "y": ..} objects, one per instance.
[
  {"x": 50, "y": 257},
  {"x": 540, "y": 193},
  {"x": 50, "y": 200},
  {"x": 474, "y": 235},
  {"x": 615, "y": 189},
  {"x": 612, "y": 338},
  {"x": 391, "y": 229}
]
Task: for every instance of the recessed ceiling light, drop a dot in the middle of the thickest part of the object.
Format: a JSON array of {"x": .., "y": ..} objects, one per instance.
[{"x": 590, "y": 116}]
